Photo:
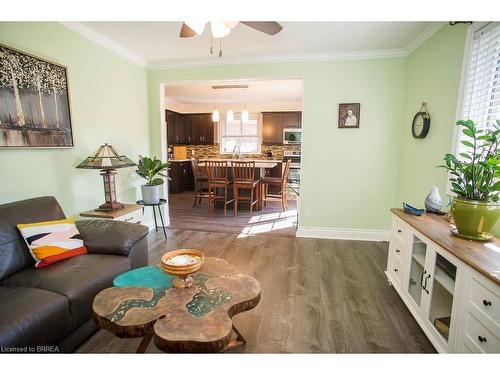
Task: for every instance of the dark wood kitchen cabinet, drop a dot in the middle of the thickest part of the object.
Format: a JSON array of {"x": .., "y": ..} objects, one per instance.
[
  {"x": 292, "y": 119},
  {"x": 202, "y": 128},
  {"x": 181, "y": 177},
  {"x": 272, "y": 128},
  {"x": 193, "y": 129},
  {"x": 273, "y": 124}
]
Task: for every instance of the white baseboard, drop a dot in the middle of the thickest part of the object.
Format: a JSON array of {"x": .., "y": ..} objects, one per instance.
[{"x": 344, "y": 233}]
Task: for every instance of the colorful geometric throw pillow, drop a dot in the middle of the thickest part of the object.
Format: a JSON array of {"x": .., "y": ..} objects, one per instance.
[{"x": 52, "y": 241}]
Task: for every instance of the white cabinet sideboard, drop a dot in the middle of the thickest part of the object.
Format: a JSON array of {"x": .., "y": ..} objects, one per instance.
[{"x": 450, "y": 285}]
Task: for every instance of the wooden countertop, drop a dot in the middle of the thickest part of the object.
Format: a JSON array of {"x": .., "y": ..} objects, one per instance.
[
  {"x": 112, "y": 214},
  {"x": 484, "y": 257},
  {"x": 228, "y": 160}
]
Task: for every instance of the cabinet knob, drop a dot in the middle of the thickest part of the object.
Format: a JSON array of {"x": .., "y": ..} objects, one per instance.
[
  {"x": 481, "y": 339},
  {"x": 398, "y": 251},
  {"x": 399, "y": 230},
  {"x": 396, "y": 270},
  {"x": 486, "y": 302}
]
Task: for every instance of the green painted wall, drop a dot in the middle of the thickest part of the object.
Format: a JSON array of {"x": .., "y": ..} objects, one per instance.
[
  {"x": 108, "y": 104},
  {"x": 349, "y": 176},
  {"x": 433, "y": 75}
]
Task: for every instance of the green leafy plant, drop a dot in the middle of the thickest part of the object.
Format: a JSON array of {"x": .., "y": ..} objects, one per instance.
[
  {"x": 150, "y": 169},
  {"x": 474, "y": 174}
]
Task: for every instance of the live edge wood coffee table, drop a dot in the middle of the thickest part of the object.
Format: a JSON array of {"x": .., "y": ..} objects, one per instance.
[{"x": 192, "y": 320}]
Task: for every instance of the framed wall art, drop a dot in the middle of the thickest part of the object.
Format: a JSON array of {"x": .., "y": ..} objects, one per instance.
[
  {"x": 34, "y": 102},
  {"x": 349, "y": 115}
]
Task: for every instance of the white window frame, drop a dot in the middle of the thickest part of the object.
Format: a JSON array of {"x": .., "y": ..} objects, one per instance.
[
  {"x": 237, "y": 116},
  {"x": 469, "y": 39}
]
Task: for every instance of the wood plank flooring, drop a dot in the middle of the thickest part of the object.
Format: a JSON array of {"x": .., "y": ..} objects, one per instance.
[
  {"x": 318, "y": 296},
  {"x": 271, "y": 221}
]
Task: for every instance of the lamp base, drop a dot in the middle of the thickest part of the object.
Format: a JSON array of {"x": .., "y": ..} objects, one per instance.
[{"x": 110, "y": 206}]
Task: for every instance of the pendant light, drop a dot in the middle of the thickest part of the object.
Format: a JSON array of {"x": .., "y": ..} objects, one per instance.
[
  {"x": 244, "y": 115},
  {"x": 215, "y": 115},
  {"x": 229, "y": 114}
]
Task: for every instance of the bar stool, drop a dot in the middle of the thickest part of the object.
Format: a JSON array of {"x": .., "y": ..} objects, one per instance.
[
  {"x": 276, "y": 181},
  {"x": 244, "y": 178},
  {"x": 199, "y": 180},
  {"x": 217, "y": 179}
]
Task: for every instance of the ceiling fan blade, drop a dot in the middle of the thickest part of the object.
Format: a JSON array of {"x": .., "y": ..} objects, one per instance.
[
  {"x": 267, "y": 27},
  {"x": 186, "y": 31}
]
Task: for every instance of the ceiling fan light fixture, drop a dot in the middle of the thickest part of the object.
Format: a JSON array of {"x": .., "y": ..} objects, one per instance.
[
  {"x": 231, "y": 24},
  {"x": 229, "y": 116},
  {"x": 219, "y": 29},
  {"x": 215, "y": 115},
  {"x": 196, "y": 26}
]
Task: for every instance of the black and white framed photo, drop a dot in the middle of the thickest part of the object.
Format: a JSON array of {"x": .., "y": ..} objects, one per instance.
[
  {"x": 349, "y": 115},
  {"x": 34, "y": 102}
]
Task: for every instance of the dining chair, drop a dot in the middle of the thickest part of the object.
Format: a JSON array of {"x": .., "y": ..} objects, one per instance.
[
  {"x": 200, "y": 178},
  {"x": 244, "y": 178},
  {"x": 217, "y": 179},
  {"x": 280, "y": 182}
]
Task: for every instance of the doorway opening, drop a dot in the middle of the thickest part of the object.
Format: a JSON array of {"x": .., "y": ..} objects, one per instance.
[{"x": 228, "y": 127}]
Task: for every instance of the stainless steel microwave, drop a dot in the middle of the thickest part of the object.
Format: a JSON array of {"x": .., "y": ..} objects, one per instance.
[{"x": 292, "y": 136}]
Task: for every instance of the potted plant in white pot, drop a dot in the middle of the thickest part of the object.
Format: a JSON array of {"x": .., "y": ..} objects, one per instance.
[
  {"x": 151, "y": 170},
  {"x": 474, "y": 177}
]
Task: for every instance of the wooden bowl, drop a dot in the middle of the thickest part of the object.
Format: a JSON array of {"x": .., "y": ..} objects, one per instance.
[{"x": 182, "y": 271}]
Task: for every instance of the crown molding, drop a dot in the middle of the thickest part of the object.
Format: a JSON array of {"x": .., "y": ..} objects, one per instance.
[
  {"x": 105, "y": 42},
  {"x": 423, "y": 36},
  {"x": 117, "y": 48},
  {"x": 288, "y": 58}
]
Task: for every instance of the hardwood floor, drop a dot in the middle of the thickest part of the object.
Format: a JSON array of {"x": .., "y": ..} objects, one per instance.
[
  {"x": 271, "y": 221},
  {"x": 318, "y": 296}
]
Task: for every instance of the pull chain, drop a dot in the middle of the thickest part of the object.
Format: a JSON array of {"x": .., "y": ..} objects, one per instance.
[{"x": 220, "y": 47}]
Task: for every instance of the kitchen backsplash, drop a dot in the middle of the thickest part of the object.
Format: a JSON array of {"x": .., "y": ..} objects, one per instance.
[{"x": 213, "y": 151}]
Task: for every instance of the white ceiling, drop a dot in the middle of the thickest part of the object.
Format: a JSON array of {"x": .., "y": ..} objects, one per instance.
[
  {"x": 157, "y": 44},
  {"x": 284, "y": 90}
]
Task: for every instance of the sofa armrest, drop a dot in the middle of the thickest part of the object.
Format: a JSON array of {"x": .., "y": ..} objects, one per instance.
[{"x": 111, "y": 237}]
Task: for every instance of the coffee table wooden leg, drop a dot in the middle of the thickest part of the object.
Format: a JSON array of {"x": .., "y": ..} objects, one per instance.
[
  {"x": 235, "y": 343},
  {"x": 146, "y": 340}
]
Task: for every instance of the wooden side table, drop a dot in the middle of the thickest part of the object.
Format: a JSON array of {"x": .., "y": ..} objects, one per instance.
[{"x": 131, "y": 213}]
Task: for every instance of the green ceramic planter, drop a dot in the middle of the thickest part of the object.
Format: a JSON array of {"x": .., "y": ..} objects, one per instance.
[{"x": 474, "y": 219}]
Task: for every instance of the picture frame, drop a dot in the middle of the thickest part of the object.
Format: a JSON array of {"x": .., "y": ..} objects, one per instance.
[
  {"x": 35, "y": 108},
  {"x": 349, "y": 115}
]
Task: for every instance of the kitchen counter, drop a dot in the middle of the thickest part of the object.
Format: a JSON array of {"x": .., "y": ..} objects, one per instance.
[{"x": 230, "y": 159}]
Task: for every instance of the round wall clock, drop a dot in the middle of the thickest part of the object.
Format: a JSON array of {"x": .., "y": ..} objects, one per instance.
[{"x": 421, "y": 123}]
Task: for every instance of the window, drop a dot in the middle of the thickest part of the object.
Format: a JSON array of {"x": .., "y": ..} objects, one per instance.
[
  {"x": 246, "y": 135},
  {"x": 481, "y": 98}
]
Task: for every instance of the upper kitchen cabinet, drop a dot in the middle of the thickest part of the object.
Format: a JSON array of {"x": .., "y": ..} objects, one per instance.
[
  {"x": 174, "y": 127},
  {"x": 292, "y": 119},
  {"x": 273, "y": 124},
  {"x": 195, "y": 129},
  {"x": 202, "y": 128}
]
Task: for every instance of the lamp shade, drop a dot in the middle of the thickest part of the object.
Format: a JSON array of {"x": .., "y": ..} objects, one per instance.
[{"x": 106, "y": 157}]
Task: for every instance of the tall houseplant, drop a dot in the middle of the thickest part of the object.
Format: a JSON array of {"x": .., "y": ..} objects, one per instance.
[
  {"x": 151, "y": 170},
  {"x": 474, "y": 177}
]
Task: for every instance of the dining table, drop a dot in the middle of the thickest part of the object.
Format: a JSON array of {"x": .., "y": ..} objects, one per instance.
[{"x": 260, "y": 164}]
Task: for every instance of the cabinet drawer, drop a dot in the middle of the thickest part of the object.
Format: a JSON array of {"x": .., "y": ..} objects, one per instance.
[
  {"x": 395, "y": 268},
  {"x": 400, "y": 230},
  {"x": 397, "y": 249},
  {"x": 481, "y": 336},
  {"x": 131, "y": 217},
  {"x": 485, "y": 300}
]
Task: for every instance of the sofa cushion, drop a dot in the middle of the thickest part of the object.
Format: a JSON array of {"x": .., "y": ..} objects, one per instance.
[
  {"x": 32, "y": 317},
  {"x": 14, "y": 254},
  {"x": 52, "y": 241},
  {"x": 79, "y": 279}
]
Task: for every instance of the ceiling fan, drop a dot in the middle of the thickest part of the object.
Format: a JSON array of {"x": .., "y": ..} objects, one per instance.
[{"x": 220, "y": 29}]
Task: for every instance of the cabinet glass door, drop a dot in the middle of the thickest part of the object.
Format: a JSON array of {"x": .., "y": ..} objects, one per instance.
[
  {"x": 417, "y": 269},
  {"x": 443, "y": 289}
]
